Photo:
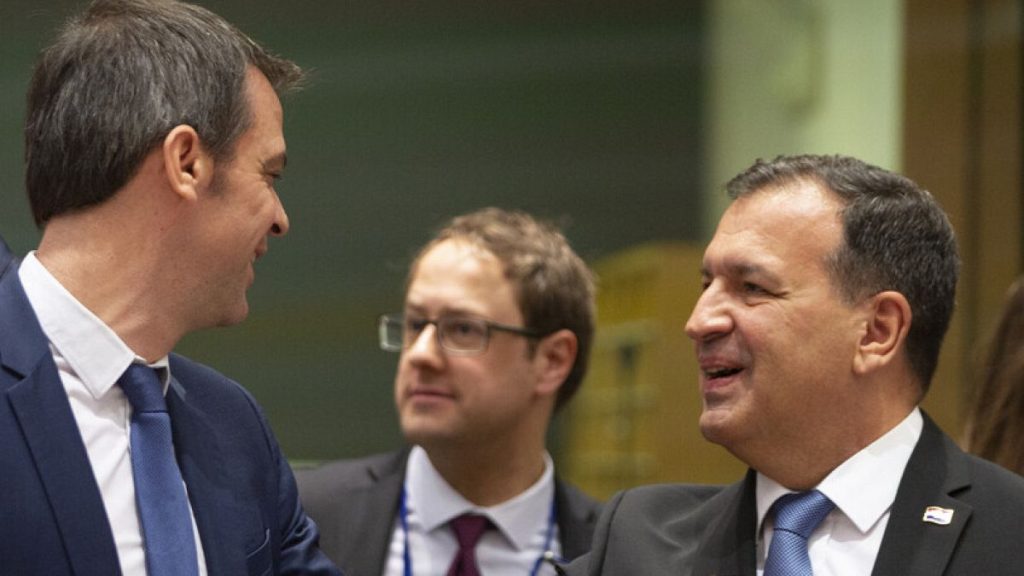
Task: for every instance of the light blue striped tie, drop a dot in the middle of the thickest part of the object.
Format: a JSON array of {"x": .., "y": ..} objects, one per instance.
[
  {"x": 796, "y": 516},
  {"x": 159, "y": 491}
]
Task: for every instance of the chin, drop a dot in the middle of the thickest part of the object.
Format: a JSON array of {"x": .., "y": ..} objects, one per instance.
[
  {"x": 223, "y": 319},
  {"x": 422, "y": 431},
  {"x": 715, "y": 428},
  {"x": 237, "y": 313},
  {"x": 232, "y": 319}
]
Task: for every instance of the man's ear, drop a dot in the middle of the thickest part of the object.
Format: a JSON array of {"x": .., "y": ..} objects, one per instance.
[
  {"x": 554, "y": 359},
  {"x": 189, "y": 167},
  {"x": 885, "y": 334}
]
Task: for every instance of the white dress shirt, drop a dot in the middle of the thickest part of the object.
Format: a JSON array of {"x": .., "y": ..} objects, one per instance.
[
  {"x": 90, "y": 358},
  {"x": 512, "y": 549},
  {"x": 863, "y": 488}
]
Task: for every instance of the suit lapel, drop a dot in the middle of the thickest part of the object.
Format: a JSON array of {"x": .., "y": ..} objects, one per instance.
[
  {"x": 576, "y": 520},
  {"x": 728, "y": 547},
  {"x": 224, "y": 523},
  {"x": 375, "y": 515},
  {"x": 935, "y": 472},
  {"x": 44, "y": 416}
]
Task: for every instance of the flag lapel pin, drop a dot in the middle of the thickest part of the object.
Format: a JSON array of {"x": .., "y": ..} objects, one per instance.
[{"x": 938, "y": 515}]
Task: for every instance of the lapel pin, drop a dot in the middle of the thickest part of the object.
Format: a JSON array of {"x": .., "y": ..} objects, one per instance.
[{"x": 938, "y": 515}]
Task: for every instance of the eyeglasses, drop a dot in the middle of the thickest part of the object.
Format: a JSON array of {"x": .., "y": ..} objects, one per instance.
[{"x": 464, "y": 335}]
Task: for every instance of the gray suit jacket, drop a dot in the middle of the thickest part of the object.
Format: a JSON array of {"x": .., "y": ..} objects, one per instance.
[
  {"x": 355, "y": 503},
  {"x": 703, "y": 531}
]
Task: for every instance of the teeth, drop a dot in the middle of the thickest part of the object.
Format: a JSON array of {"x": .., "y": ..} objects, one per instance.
[{"x": 721, "y": 372}]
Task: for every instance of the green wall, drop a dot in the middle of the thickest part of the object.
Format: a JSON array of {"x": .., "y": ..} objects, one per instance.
[{"x": 584, "y": 112}]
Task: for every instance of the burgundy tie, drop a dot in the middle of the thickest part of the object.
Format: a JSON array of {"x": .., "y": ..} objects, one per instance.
[{"x": 468, "y": 530}]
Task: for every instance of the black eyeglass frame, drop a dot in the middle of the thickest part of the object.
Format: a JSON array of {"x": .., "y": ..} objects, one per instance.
[{"x": 399, "y": 320}]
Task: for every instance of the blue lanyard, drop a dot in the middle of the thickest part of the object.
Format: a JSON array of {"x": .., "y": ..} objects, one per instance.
[{"x": 403, "y": 516}]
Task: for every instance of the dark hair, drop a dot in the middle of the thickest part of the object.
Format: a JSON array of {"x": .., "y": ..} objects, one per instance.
[
  {"x": 117, "y": 79},
  {"x": 554, "y": 287},
  {"x": 895, "y": 237},
  {"x": 995, "y": 424}
]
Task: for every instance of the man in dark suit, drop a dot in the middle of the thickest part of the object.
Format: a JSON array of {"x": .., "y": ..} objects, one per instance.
[
  {"x": 494, "y": 337},
  {"x": 153, "y": 138},
  {"x": 828, "y": 287}
]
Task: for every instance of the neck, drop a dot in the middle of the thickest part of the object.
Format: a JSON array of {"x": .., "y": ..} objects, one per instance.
[
  {"x": 804, "y": 463},
  {"x": 116, "y": 280},
  {"x": 488, "y": 477}
]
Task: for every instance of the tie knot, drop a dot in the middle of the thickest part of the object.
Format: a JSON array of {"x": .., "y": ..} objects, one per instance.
[
  {"x": 469, "y": 528},
  {"x": 801, "y": 512},
  {"x": 142, "y": 387}
]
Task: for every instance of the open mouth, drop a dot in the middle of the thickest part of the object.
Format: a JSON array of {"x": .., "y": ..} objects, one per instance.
[{"x": 716, "y": 373}]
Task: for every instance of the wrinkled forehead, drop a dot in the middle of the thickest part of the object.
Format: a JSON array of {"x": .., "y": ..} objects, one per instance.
[
  {"x": 789, "y": 223},
  {"x": 796, "y": 203}
]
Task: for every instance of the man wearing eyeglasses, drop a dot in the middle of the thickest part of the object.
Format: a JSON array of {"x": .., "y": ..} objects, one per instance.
[{"x": 494, "y": 338}]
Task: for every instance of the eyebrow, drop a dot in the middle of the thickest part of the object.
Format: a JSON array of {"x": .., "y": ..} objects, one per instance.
[
  {"x": 414, "y": 308},
  {"x": 742, "y": 270}
]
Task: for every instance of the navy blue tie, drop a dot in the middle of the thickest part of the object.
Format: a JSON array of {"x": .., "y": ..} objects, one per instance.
[
  {"x": 796, "y": 516},
  {"x": 159, "y": 491}
]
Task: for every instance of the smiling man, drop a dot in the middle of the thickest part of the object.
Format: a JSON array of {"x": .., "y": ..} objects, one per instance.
[
  {"x": 153, "y": 139},
  {"x": 498, "y": 320},
  {"x": 827, "y": 290}
]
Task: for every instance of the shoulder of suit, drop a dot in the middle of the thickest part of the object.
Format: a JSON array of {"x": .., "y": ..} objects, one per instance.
[
  {"x": 971, "y": 478},
  {"x": 208, "y": 389},
  {"x": 658, "y": 499},
  {"x": 346, "y": 473},
  {"x": 187, "y": 371},
  {"x": 581, "y": 503},
  {"x": 995, "y": 481},
  {"x": 205, "y": 382}
]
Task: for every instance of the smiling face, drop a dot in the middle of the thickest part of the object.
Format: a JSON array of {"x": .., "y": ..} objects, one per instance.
[
  {"x": 774, "y": 339},
  {"x": 446, "y": 399},
  {"x": 240, "y": 210}
]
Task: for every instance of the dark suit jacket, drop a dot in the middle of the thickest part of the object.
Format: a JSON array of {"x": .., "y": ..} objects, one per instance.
[
  {"x": 702, "y": 531},
  {"x": 52, "y": 519},
  {"x": 355, "y": 503},
  {"x": 6, "y": 258}
]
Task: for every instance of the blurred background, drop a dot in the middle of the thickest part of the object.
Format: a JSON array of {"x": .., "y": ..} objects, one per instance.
[{"x": 620, "y": 120}]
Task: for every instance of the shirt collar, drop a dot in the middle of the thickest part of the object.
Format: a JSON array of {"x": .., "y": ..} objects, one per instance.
[
  {"x": 864, "y": 486},
  {"x": 90, "y": 348},
  {"x": 436, "y": 502}
]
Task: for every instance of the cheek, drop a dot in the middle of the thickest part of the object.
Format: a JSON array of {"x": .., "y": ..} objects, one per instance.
[
  {"x": 831, "y": 339},
  {"x": 400, "y": 377},
  {"x": 251, "y": 200},
  {"x": 762, "y": 336},
  {"x": 264, "y": 211}
]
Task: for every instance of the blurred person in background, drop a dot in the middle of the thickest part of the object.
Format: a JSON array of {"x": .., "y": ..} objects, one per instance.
[
  {"x": 494, "y": 338},
  {"x": 995, "y": 422}
]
